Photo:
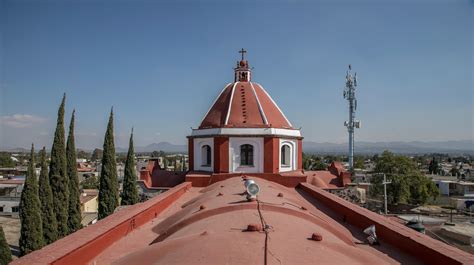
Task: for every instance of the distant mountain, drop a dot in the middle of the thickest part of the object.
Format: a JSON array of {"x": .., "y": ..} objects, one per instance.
[
  {"x": 14, "y": 149},
  {"x": 414, "y": 147},
  {"x": 162, "y": 146}
]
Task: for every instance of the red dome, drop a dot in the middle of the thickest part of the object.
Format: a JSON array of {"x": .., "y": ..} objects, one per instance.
[{"x": 244, "y": 105}]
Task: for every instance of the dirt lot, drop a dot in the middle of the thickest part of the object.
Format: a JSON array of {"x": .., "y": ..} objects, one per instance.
[{"x": 11, "y": 227}]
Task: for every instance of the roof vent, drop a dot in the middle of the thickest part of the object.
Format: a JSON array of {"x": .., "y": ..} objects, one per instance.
[
  {"x": 253, "y": 228},
  {"x": 316, "y": 237}
]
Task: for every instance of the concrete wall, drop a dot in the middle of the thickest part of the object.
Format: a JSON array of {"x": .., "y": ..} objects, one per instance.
[
  {"x": 91, "y": 206},
  {"x": 8, "y": 204}
]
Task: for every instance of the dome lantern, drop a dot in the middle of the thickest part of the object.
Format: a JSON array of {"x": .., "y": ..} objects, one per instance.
[{"x": 242, "y": 70}]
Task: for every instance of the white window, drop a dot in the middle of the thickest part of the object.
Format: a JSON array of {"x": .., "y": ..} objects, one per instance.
[
  {"x": 285, "y": 155},
  {"x": 288, "y": 154},
  {"x": 206, "y": 155}
]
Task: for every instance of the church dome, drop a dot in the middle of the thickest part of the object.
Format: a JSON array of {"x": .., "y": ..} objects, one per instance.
[{"x": 244, "y": 105}]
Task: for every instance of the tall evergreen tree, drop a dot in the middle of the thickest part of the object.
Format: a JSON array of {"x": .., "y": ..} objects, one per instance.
[
  {"x": 50, "y": 225},
  {"x": 108, "y": 187},
  {"x": 130, "y": 192},
  {"x": 31, "y": 232},
  {"x": 58, "y": 174},
  {"x": 74, "y": 212},
  {"x": 5, "y": 253}
]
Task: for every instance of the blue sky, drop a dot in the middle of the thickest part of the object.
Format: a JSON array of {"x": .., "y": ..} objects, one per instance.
[{"x": 160, "y": 64}]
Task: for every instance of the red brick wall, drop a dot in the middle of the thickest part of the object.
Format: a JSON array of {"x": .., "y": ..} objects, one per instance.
[
  {"x": 146, "y": 177},
  {"x": 271, "y": 146},
  {"x": 191, "y": 153},
  {"x": 221, "y": 154},
  {"x": 300, "y": 154}
]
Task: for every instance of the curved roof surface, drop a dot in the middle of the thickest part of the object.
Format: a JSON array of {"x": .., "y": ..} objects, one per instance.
[
  {"x": 244, "y": 105},
  {"x": 211, "y": 228}
]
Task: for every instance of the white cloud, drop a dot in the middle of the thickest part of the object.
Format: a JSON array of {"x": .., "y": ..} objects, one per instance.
[{"x": 21, "y": 120}]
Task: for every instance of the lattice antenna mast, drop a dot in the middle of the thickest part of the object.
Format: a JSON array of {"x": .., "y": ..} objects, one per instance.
[{"x": 349, "y": 94}]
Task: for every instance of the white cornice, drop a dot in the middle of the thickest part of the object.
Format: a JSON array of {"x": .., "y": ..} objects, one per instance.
[{"x": 247, "y": 131}]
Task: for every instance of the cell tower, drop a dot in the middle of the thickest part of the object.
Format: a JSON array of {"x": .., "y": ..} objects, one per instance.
[{"x": 349, "y": 94}]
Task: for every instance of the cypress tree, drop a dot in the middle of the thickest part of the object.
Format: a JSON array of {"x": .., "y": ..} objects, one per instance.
[
  {"x": 50, "y": 225},
  {"x": 31, "y": 232},
  {"x": 130, "y": 192},
  {"x": 74, "y": 211},
  {"x": 5, "y": 253},
  {"x": 58, "y": 174},
  {"x": 108, "y": 187}
]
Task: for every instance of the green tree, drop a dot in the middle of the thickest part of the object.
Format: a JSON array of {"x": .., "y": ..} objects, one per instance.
[
  {"x": 359, "y": 162},
  {"x": 50, "y": 225},
  {"x": 175, "y": 164},
  {"x": 5, "y": 253},
  {"x": 6, "y": 160},
  {"x": 58, "y": 178},
  {"x": 165, "y": 163},
  {"x": 433, "y": 168},
  {"x": 183, "y": 163},
  {"x": 408, "y": 185},
  {"x": 82, "y": 154},
  {"x": 31, "y": 231},
  {"x": 454, "y": 171},
  {"x": 306, "y": 162},
  {"x": 108, "y": 187},
  {"x": 90, "y": 183},
  {"x": 130, "y": 192},
  {"x": 97, "y": 154},
  {"x": 74, "y": 211}
]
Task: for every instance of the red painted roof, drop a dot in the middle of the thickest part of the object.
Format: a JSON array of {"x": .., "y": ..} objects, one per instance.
[
  {"x": 244, "y": 105},
  {"x": 323, "y": 179},
  {"x": 211, "y": 229},
  {"x": 333, "y": 178},
  {"x": 188, "y": 225}
]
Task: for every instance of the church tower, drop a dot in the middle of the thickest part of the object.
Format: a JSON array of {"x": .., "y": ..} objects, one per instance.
[{"x": 245, "y": 131}]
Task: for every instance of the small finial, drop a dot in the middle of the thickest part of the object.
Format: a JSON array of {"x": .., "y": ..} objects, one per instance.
[{"x": 350, "y": 67}]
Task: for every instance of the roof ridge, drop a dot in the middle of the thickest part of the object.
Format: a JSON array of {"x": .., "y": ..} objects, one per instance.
[
  {"x": 262, "y": 112},
  {"x": 230, "y": 103}
]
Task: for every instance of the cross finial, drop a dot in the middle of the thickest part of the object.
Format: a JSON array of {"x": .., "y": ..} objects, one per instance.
[{"x": 242, "y": 51}]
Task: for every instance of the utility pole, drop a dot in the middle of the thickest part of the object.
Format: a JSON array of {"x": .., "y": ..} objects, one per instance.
[
  {"x": 385, "y": 182},
  {"x": 349, "y": 94}
]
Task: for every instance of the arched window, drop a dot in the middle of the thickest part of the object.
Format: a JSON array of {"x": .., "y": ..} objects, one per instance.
[
  {"x": 285, "y": 155},
  {"x": 206, "y": 155},
  {"x": 246, "y": 155}
]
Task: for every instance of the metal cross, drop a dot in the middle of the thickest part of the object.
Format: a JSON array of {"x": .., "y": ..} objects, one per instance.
[{"x": 242, "y": 52}]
